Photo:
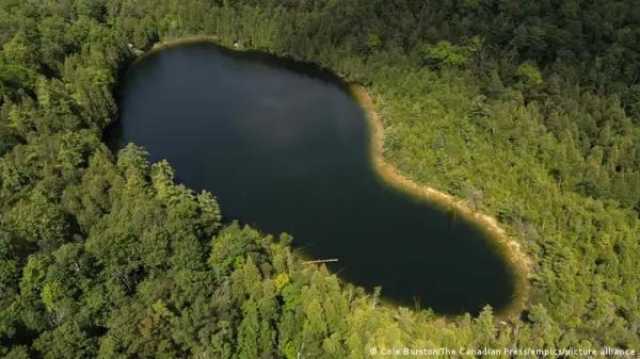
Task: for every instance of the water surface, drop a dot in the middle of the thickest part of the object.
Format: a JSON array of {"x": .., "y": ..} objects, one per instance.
[{"x": 284, "y": 148}]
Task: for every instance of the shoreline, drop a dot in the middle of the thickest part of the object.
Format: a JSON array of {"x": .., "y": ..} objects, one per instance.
[{"x": 519, "y": 263}]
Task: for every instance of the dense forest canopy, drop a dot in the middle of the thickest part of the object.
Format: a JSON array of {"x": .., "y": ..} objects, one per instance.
[{"x": 529, "y": 109}]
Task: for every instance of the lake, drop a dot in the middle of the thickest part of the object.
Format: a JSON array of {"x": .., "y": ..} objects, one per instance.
[{"x": 285, "y": 148}]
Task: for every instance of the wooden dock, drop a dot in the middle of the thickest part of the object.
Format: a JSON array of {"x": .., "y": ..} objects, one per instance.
[{"x": 330, "y": 260}]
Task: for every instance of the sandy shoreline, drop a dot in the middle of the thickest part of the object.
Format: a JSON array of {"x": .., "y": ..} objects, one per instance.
[{"x": 517, "y": 259}]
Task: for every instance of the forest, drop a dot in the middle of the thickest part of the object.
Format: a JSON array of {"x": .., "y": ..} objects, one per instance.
[{"x": 531, "y": 110}]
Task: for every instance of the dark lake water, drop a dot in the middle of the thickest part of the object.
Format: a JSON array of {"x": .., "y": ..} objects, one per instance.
[{"x": 284, "y": 148}]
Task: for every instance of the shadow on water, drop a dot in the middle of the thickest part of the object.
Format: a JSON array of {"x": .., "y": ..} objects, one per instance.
[{"x": 284, "y": 147}]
